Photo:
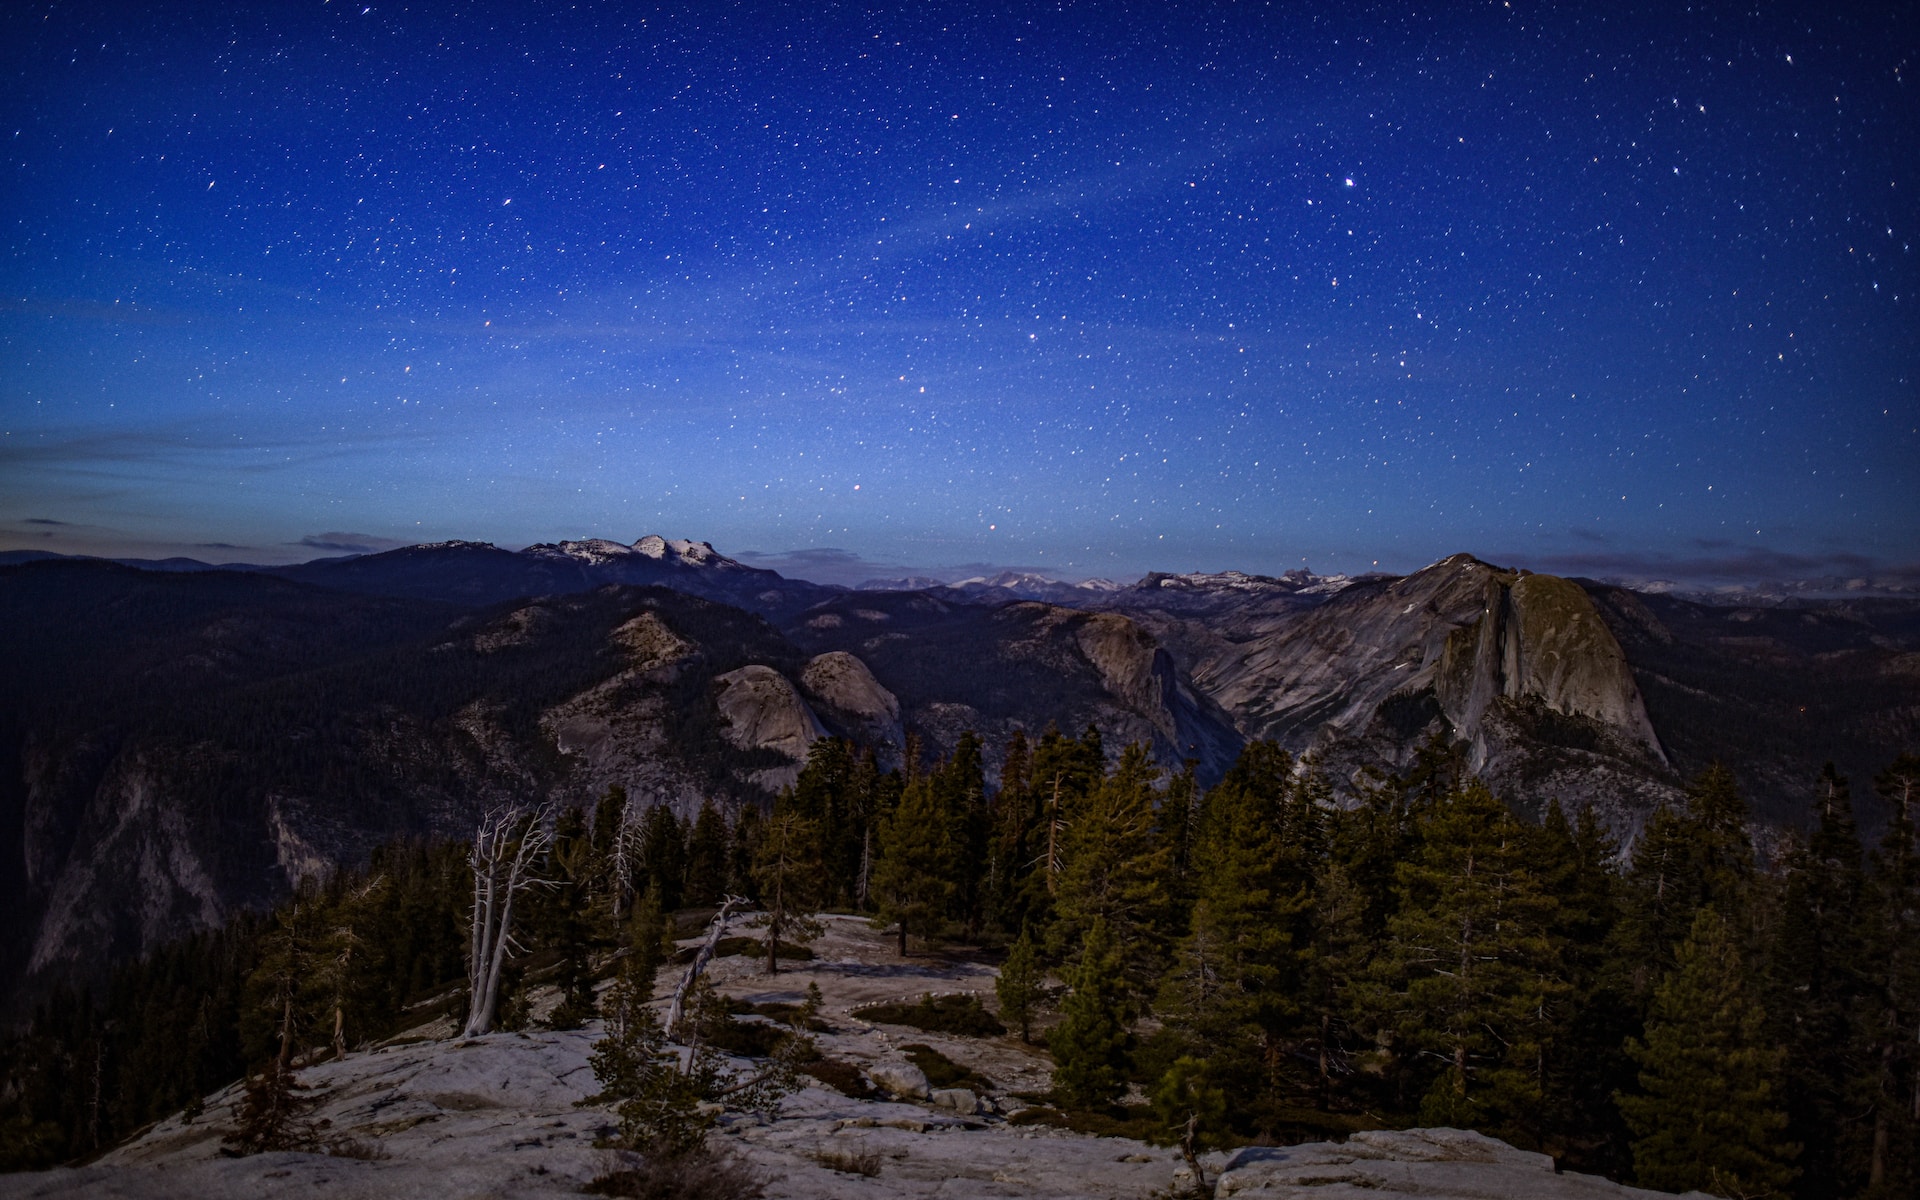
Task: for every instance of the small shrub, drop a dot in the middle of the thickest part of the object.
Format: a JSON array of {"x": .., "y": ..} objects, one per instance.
[
  {"x": 748, "y": 1039},
  {"x": 703, "y": 1174},
  {"x": 791, "y": 1014},
  {"x": 962, "y": 1015},
  {"x": 840, "y": 1075},
  {"x": 859, "y": 1161},
  {"x": 943, "y": 1072},
  {"x": 274, "y": 1114},
  {"x": 746, "y": 947},
  {"x": 349, "y": 1147}
]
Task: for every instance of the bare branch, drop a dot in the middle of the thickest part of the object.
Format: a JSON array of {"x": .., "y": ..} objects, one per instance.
[{"x": 677, "y": 1010}]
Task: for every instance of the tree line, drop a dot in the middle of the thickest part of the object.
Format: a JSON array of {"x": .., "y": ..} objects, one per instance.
[{"x": 1242, "y": 961}]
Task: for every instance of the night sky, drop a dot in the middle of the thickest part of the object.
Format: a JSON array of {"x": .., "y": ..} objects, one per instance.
[{"x": 1093, "y": 288}]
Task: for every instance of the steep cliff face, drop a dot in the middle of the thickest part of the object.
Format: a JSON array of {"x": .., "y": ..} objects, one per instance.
[
  {"x": 1539, "y": 639},
  {"x": 147, "y": 853},
  {"x": 1519, "y": 667},
  {"x": 1331, "y": 667},
  {"x": 1132, "y": 666}
]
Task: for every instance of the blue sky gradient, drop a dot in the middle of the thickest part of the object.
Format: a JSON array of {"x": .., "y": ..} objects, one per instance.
[{"x": 1096, "y": 289}]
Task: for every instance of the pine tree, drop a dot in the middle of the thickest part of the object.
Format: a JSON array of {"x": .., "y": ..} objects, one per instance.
[
  {"x": 619, "y": 1057},
  {"x": 1708, "y": 1114},
  {"x": 1817, "y": 989},
  {"x": 1091, "y": 1045},
  {"x": 1018, "y": 986},
  {"x": 345, "y": 959},
  {"x": 1368, "y": 842},
  {"x": 1888, "y": 1018},
  {"x": 663, "y": 855},
  {"x": 1722, "y": 846},
  {"x": 1337, "y": 959},
  {"x": 740, "y": 851},
  {"x": 913, "y": 883},
  {"x": 1682, "y": 863},
  {"x": 824, "y": 794},
  {"x": 611, "y": 842},
  {"x": 275, "y": 1105},
  {"x": 1470, "y": 968},
  {"x": 959, "y": 792},
  {"x": 786, "y": 869},
  {"x": 1115, "y": 871},
  {"x": 1014, "y": 818},
  {"x": 1063, "y": 771},
  {"x": 662, "y": 1102},
  {"x": 566, "y": 919},
  {"x": 1241, "y": 968},
  {"x": 1588, "y": 1063},
  {"x": 706, "y": 874}
]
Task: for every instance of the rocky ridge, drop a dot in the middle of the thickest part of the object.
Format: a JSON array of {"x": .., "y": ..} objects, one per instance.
[{"x": 503, "y": 1116}]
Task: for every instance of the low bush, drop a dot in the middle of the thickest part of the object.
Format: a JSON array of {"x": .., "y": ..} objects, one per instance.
[
  {"x": 748, "y": 1039},
  {"x": 840, "y": 1075},
  {"x": 943, "y": 1072},
  {"x": 703, "y": 1174},
  {"x": 858, "y": 1161},
  {"x": 962, "y": 1015},
  {"x": 789, "y": 1013},
  {"x": 746, "y": 947}
]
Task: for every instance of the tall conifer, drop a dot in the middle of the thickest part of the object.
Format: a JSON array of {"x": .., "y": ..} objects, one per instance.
[
  {"x": 1708, "y": 1113},
  {"x": 1091, "y": 1044}
]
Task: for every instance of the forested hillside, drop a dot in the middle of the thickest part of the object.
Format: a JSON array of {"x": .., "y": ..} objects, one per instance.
[{"x": 1244, "y": 961}]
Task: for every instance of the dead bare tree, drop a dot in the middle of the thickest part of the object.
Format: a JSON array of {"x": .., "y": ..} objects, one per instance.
[
  {"x": 625, "y": 847},
  {"x": 506, "y": 848},
  {"x": 676, "y": 1012}
]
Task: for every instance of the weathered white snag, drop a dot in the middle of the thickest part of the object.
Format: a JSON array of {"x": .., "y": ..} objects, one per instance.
[
  {"x": 505, "y": 849},
  {"x": 677, "y": 1010}
]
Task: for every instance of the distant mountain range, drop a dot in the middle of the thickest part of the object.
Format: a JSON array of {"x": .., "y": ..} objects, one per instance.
[
  {"x": 594, "y": 555},
  {"x": 178, "y": 741}
]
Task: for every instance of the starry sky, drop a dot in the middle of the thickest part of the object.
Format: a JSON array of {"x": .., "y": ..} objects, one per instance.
[{"x": 1627, "y": 290}]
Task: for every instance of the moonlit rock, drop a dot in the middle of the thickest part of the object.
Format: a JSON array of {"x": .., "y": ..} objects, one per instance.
[
  {"x": 901, "y": 1079},
  {"x": 765, "y": 712}
]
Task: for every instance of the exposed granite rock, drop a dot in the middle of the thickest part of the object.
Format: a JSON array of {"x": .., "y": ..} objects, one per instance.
[
  {"x": 960, "y": 1100},
  {"x": 508, "y": 1115},
  {"x": 1541, "y": 638},
  {"x": 1520, "y": 668},
  {"x": 842, "y": 683},
  {"x": 1435, "y": 1164},
  {"x": 764, "y": 711},
  {"x": 903, "y": 1080}
]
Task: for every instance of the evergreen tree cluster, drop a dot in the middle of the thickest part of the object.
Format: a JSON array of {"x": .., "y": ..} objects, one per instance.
[
  {"x": 372, "y": 951},
  {"x": 1685, "y": 1015},
  {"x": 1252, "y": 959}
]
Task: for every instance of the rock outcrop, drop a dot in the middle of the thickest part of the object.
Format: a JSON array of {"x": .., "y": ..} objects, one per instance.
[
  {"x": 512, "y": 1115},
  {"x": 842, "y": 683},
  {"x": 1520, "y": 668},
  {"x": 764, "y": 711},
  {"x": 1540, "y": 638},
  {"x": 1435, "y": 1164}
]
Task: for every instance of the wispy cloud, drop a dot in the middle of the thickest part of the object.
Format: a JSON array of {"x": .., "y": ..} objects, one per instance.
[
  {"x": 848, "y": 568},
  {"x": 1718, "y": 562},
  {"x": 348, "y": 543},
  {"x": 820, "y": 564}
]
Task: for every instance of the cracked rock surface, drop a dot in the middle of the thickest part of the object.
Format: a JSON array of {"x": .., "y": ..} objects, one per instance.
[{"x": 497, "y": 1117}]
